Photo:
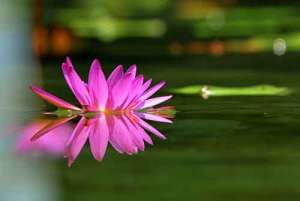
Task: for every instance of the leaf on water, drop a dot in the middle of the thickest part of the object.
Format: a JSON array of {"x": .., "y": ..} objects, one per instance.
[{"x": 257, "y": 90}]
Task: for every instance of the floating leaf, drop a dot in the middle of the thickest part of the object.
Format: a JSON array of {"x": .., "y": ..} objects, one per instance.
[{"x": 257, "y": 90}]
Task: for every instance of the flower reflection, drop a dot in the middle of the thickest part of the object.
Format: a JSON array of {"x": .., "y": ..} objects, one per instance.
[
  {"x": 125, "y": 132},
  {"x": 53, "y": 143}
]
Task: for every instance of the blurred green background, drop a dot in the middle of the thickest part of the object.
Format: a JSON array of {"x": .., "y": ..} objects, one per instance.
[{"x": 161, "y": 28}]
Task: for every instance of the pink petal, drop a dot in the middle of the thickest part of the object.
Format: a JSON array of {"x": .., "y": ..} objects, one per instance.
[
  {"x": 120, "y": 90},
  {"x": 152, "y": 91},
  {"x": 99, "y": 138},
  {"x": 144, "y": 87},
  {"x": 134, "y": 89},
  {"x": 115, "y": 76},
  {"x": 132, "y": 70},
  {"x": 97, "y": 86},
  {"x": 77, "y": 86},
  {"x": 153, "y": 117},
  {"x": 52, "y": 99},
  {"x": 151, "y": 129},
  {"x": 139, "y": 91},
  {"x": 154, "y": 101},
  {"x": 77, "y": 140}
]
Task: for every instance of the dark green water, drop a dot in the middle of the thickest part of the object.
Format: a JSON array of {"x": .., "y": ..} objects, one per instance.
[{"x": 223, "y": 148}]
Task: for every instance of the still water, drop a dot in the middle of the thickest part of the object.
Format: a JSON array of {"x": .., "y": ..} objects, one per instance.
[{"x": 221, "y": 148}]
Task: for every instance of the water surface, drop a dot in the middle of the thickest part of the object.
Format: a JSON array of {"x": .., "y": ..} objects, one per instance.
[{"x": 222, "y": 148}]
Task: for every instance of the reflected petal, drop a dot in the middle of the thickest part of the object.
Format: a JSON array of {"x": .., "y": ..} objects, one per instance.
[
  {"x": 119, "y": 137},
  {"x": 77, "y": 140},
  {"x": 134, "y": 122},
  {"x": 52, "y": 124},
  {"x": 98, "y": 138},
  {"x": 153, "y": 117},
  {"x": 53, "y": 143},
  {"x": 151, "y": 129},
  {"x": 144, "y": 135},
  {"x": 134, "y": 133}
]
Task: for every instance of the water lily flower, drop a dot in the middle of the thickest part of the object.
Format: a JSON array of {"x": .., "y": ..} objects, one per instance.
[{"x": 120, "y": 103}]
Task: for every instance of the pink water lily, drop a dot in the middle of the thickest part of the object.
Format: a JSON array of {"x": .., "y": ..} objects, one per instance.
[{"x": 121, "y": 103}]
